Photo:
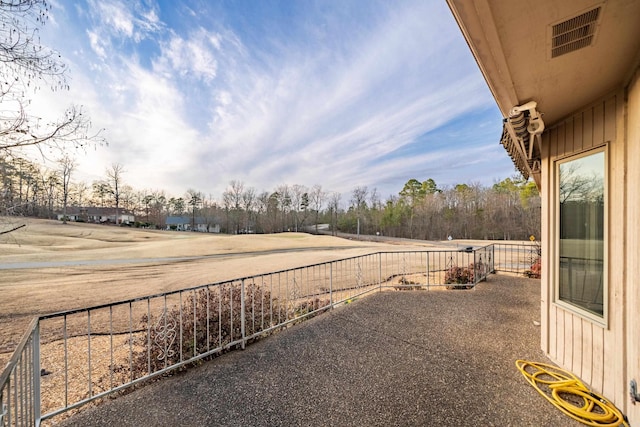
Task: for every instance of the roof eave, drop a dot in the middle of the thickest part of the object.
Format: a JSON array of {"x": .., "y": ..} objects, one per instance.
[{"x": 480, "y": 33}]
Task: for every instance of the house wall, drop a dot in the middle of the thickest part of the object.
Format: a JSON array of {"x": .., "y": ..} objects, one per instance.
[
  {"x": 595, "y": 350},
  {"x": 69, "y": 217},
  {"x": 632, "y": 265}
]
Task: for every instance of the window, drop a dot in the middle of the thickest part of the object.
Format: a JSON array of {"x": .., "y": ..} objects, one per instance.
[{"x": 581, "y": 231}]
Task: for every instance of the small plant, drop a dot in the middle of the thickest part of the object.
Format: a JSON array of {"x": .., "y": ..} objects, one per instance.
[
  {"x": 459, "y": 276},
  {"x": 535, "y": 270},
  {"x": 404, "y": 284},
  {"x": 535, "y": 260},
  {"x": 465, "y": 276}
]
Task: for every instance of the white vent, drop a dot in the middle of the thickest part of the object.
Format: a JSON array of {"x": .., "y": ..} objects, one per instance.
[{"x": 574, "y": 33}]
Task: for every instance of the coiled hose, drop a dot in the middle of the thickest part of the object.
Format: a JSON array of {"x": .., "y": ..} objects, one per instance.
[{"x": 562, "y": 388}]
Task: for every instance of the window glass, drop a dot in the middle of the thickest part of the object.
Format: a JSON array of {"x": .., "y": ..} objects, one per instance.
[{"x": 581, "y": 233}]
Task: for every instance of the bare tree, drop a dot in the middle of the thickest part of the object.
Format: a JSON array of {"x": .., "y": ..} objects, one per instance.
[
  {"x": 67, "y": 165},
  {"x": 262, "y": 210},
  {"x": 375, "y": 212},
  {"x": 359, "y": 203},
  {"x": 232, "y": 199},
  {"x": 51, "y": 183},
  {"x": 318, "y": 198},
  {"x": 334, "y": 205},
  {"x": 114, "y": 180},
  {"x": 79, "y": 192},
  {"x": 25, "y": 63},
  {"x": 128, "y": 198},
  {"x": 297, "y": 198},
  {"x": 158, "y": 207},
  {"x": 99, "y": 190},
  {"x": 283, "y": 195},
  {"x": 248, "y": 202}
]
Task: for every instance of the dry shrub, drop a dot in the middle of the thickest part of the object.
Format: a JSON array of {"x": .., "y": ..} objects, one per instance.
[
  {"x": 464, "y": 275},
  {"x": 535, "y": 270},
  {"x": 404, "y": 284},
  {"x": 207, "y": 319}
]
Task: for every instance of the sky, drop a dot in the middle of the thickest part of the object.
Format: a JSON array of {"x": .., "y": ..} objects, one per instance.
[{"x": 194, "y": 94}]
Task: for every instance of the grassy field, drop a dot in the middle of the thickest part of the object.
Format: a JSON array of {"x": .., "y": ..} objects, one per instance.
[{"x": 123, "y": 263}]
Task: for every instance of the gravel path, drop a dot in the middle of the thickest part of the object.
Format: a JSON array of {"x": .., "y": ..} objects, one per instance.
[{"x": 410, "y": 358}]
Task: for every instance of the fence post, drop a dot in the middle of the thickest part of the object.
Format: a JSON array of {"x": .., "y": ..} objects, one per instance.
[
  {"x": 242, "y": 319},
  {"x": 380, "y": 270},
  {"x": 492, "y": 266},
  {"x": 475, "y": 269},
  {"x": 428, "y": 288},
  {"x": 36, "y": 373},
  {"x": 331, "y": 284}
]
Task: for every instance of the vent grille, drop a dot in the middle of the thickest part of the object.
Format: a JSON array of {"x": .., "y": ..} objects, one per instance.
[{"x": 575, "y": 33}]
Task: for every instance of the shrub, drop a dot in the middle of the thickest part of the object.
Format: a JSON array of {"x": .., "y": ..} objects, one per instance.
[
  {"x": 179, "y": 333},
  {"x": 458, "y": 275},
  {"x": 464, "y": 275},
  {"x": 535, "y": 270}
]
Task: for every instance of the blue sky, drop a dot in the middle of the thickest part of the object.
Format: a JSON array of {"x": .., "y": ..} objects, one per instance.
[{"x": 194, "y": 94}]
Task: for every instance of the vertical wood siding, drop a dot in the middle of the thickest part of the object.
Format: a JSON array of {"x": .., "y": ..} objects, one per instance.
[
  {"x": 632, "y": 270},
  {"x": 594, "y": 352}
]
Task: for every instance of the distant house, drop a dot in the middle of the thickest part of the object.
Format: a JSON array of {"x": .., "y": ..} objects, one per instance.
[
  {"x": 186, "y": 223},
  {"x": 97, "y": 215}
]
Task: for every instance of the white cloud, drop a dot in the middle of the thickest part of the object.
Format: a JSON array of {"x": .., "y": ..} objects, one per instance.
[
  {"x": 114, "y": 15},
  {"x": 293, "y": 123},
  {"x": 96, "y": 44},
  {"x": 205, "y": 106},
  {"x": 123, "y": 20},
  {"x": 192, "y": 56}
]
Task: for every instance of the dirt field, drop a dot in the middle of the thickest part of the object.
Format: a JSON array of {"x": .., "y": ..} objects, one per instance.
[{"x": 48, "y": 266}]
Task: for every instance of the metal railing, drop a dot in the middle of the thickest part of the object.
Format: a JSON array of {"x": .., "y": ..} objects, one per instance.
[
  {"x": 516, "y": 257},
  {"x": 88, "y": 353},
  {"x": 20, "y": 382}
]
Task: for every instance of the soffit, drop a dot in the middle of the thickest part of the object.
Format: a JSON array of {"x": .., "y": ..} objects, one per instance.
[{"x": 511, "y": 41}]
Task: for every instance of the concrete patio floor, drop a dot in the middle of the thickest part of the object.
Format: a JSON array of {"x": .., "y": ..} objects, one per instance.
[{"x": 402, "y": 358}]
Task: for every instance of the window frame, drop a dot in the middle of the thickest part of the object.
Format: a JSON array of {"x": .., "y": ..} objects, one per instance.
[{"x": 565, "y": 305}]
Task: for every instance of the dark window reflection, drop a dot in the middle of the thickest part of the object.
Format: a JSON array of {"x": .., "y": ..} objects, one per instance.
[{"x": 582, "y": 232}]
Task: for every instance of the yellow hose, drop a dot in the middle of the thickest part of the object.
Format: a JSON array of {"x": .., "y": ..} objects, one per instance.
[{"x": 557, "y": 386}]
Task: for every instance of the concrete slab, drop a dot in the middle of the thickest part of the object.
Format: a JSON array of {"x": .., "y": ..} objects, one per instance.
[{"x": 402, "y": 358}]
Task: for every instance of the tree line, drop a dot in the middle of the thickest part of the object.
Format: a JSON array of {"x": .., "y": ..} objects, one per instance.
[{"x": 509, "y": 209}]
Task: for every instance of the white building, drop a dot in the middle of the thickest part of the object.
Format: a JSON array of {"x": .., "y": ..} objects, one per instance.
[
  {"x": 97, "y": 215},
  {"x": 186, "y": 223}
]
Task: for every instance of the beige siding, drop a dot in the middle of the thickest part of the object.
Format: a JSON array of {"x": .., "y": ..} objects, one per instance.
[
  {"x": 593, "y": 351},
  {"x": 632, "y": 267}
]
